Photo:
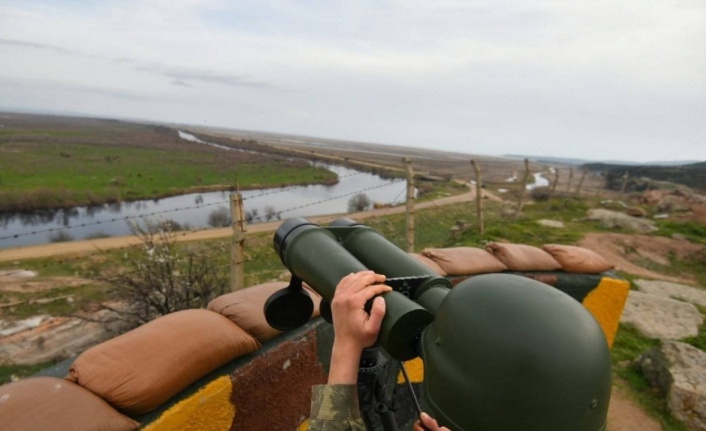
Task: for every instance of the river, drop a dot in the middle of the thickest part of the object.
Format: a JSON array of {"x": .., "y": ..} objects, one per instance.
[{"x": 193, "y": 210}]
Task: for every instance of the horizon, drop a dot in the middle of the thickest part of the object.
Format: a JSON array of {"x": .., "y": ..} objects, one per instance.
[
  {"x": 592, "y": 80},
  {"x": 321, "y": 139}
]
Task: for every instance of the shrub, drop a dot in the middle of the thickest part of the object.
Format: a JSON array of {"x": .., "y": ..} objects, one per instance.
[
  {"x": 219, "y": 217},
  {"x": 359, "y": 202},
  {"x": 162, "y": 278},
  {"x": 60, "y": 236},
  {"x": 541, "y": 194}
]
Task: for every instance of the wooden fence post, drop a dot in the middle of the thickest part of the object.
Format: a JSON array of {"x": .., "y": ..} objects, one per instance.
[
  {"x": 237, "y": 248},
  {"x": 410, "y": 204},
  {"x": 603, "y": 185},
  {"x": 583, "y": 177},
  {"x": 626, "y": 177},
  {"x": 479, "y": 196},
  {"x": 523, "y": 189},
  {"x": 556, "y": 181},
  {"x": 571, "y": 177}
]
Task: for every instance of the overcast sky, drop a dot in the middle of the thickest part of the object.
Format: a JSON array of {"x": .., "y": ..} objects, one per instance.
[{"x": 601, "y": 79}]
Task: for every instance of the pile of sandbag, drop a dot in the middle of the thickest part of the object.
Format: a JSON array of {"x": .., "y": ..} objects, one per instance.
[
  {"x": 138, "y": 371},
  {"x": 133, "y": 373},
  {"x": 497, "y": 257}
]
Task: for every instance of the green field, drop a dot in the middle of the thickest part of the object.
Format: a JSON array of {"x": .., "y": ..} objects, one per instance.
[{"x": 92, "y": 163}]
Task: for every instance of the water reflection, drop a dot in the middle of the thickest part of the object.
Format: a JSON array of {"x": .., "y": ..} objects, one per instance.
[{"x": 194, "y": 209}]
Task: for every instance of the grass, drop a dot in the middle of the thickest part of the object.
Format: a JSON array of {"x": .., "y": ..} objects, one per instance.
[
  {"x": 41, "y": 170},
  {"x": 59, "y": 301},
  {"x": 9, "y": 372},
  {"x": 628, "y": 345},
  {"x": 693, "y": 231}
]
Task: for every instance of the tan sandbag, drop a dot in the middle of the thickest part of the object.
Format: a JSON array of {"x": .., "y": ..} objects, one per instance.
[
  {"x": 49, "y": 403},
  {"x": 246, "y": 308},
  {"x": 578, "y": 259},
  {"x": 429, "y": 263},
  {"x": 464, "y": 260},
  {"x": 521, "y": 257},
  {"x": 138, "y": 371}
]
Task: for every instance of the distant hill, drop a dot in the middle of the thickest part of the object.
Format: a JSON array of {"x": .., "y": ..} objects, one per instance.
[
  {"x": 692, "y": 175},
  {"x": 580, "y": 162}
]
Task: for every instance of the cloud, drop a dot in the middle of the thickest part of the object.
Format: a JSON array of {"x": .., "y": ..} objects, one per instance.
[
  {"x": 581, "y": 77},
  {"x": 187, "y": 75},
  {"x": 40, "y": 46},
  {"x": 178, "y": 76}
]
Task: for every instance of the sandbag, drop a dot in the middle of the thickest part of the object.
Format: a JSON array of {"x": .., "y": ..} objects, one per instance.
[
  {"x": 138, "y": 371},
  {"x": 246, "y": 308},
  {"x": 49, "y": 403},
  {"x": 578, "y": 259},
  {"x": 521, "y": 257},
  {"x": 429, "y": 263},
  {"x": 464, "y": 260}
]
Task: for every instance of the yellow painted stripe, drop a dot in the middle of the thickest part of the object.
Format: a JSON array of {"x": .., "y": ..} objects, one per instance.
[
  {"x": 606, "y": 303},
  {"x": 209, "y": 409},
  {"x": 415, "y": 371}
]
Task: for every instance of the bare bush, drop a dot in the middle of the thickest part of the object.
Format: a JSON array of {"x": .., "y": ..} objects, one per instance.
[
  {"x": 270, "y": 212},
  {"x": 173, "y": 225},
  {"x": 252, "y": 215},
  {"x": 60, "y": 236},
  {"x": 163, "y": 278},
  {"x": 541, "y": 194},
  {"x": 219, "y": 217},
  {"x": 359, "y": 202}
]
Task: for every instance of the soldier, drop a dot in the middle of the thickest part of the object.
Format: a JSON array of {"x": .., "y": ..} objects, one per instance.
[{"x": 335, "y": 406}]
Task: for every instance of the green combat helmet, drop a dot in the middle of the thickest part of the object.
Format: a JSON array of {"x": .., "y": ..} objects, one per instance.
[{"x": 507, "y": 353}]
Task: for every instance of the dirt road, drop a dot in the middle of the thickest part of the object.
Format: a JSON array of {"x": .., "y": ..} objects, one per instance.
[{"x": 90, "y": 246}]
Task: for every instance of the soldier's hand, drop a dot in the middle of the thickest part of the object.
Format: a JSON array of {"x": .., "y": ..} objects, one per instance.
[
  {"x": 353, "y": 326},
  {"x": 429, "y": 423}
]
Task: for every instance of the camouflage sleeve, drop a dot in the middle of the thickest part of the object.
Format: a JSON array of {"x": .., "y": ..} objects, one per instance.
[{"x": 335, "y": 408}]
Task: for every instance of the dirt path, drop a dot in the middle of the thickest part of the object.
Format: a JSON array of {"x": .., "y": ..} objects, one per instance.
[
  {"x": 625, "y": 415},
  {"x": 89, "y": 246}
]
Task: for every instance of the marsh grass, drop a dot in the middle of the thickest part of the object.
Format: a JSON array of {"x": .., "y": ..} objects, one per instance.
[{"x": 68, "y": 169}]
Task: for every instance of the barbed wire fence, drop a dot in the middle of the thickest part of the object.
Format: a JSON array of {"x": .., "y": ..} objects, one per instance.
[{"x": 508, "y": 188}]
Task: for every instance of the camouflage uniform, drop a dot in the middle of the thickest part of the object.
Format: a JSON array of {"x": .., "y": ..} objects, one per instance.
[{"x": 335, "y": 408}]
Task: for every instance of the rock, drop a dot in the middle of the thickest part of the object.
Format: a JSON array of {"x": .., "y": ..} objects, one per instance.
[
  {"x": 57, "y": 338},
  {"x": 651, "y": 197},
  {"x": 672, "y": 203},
  {"x": 672, "y": 290},
  {"x": 679, "y": 370},
  {"x": 663, "y": 318},
  {"x": 613, "y": 204},
  {"x": 551, "y": 223},
  {"x": 507, "y": 212},
  {"x": 636, "y": 212},
  {"x": 613, "y": 219},
  {"x": 9, "y": 328}
]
